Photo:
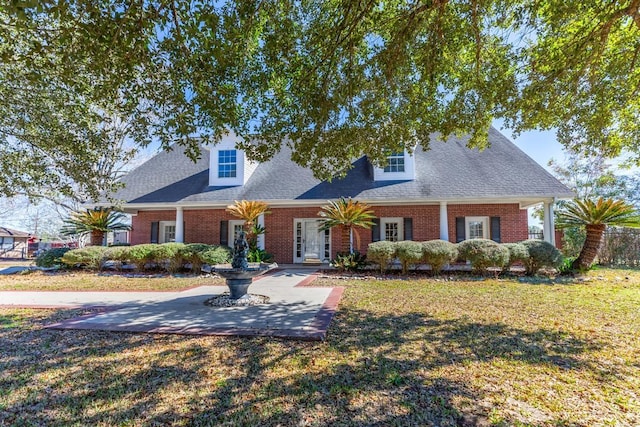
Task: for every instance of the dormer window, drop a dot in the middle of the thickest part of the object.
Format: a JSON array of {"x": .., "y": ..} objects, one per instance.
[
  {"x": 227, "y": 164},
  {"x": 395, "y": 162},
  {"x": 400, "y": 166}
]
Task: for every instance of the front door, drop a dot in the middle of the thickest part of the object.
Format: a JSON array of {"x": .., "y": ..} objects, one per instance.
[
  {"x": 311, "y": 240},
  {"x": 311, "y": 244}
]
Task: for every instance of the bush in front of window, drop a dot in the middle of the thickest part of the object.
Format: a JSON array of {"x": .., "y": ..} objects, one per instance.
[
  {"x": 483, "y": 253},
  {"x": 216, "y": 255},
  {"x": 90, "y": 257},
  {"x": 409, "y": 253},
  {"x": 51, "y": 258},
  {"x": 438, "y": 253},
  {"x": 541, "y": 254},
  {"x": 381, "y": 253},
  {"x": 517, "y": 253}
]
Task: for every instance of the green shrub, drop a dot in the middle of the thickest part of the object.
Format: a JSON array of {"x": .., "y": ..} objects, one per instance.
[
  {"x": 51, "y": 257},
  {"x": 483, "y": 253},
  {"x": 216, "y": 255},
  {"x": 90, "y": 257},
  {"x": 517, "y": 253},
  {"x": 409, "y": 253},
  {"x": 170, "y": 256},
  {"x": 191, "y": 253},
  {"x": 141, "y": 255},
  {"x": 438, "y": 253},
  {"x": 541, "y": 254},
  {"x": 381, "y": 253},
  {"x": 119, "y": 254},
  {"x": 259, "y": 255},
  {"x": 349, "y": 261}
]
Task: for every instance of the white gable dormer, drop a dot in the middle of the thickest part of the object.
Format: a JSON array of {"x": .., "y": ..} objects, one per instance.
[
  {"x": 228, "y": 166},
  {"x": 401, "y": 166}
]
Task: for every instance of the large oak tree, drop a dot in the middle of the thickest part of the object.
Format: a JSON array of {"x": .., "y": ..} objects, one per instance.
[{"x": 332, "y": 79}]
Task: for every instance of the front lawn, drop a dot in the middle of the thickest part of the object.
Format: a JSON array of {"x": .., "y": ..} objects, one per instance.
[
  {"x": 87, "y": 281},
  {"x": 399, "y": 352}
]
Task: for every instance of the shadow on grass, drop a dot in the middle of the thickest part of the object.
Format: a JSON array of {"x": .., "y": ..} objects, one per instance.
[{"x": 374, "y": 369}]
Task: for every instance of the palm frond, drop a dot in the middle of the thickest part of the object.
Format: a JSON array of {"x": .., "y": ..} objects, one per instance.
[
  {"x": 346, "y": 213},
  {"x": 582, "y": 212},
  {"x": 97, "y": 219},
  {"x": 248, "y": 210}
]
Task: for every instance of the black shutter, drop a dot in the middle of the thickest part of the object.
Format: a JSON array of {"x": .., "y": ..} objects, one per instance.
[
  {"x": 495, "y": 229},
  {"x": 375, "y": 230},
  {"x": 184, "y": 232},
  {"x": 408, "y": 229},
  {"x": 224, "y": 233},
  {"x": 460, "y": 229},
  {"x": 155, "y": 231}
]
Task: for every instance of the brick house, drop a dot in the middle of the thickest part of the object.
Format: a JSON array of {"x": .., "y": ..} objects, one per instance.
[{"x": 447, "y": 192}]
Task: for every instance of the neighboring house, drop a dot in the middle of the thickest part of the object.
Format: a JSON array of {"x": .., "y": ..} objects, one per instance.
[
  {"x": 448, "y": 192},
  {"x": 13, "y": 243}
]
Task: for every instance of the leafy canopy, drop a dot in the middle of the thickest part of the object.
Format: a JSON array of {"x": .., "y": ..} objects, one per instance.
[{"x": 333, "y": 80}]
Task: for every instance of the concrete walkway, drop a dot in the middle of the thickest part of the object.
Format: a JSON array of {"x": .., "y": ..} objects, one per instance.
[{"x": 295, "y": 309}]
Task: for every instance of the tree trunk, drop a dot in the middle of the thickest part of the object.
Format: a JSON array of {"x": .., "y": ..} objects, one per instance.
[
  {"x": 97, "y": 237},
  {"x": 589, "y": 252},
  {"x": 345, "y": 233}
]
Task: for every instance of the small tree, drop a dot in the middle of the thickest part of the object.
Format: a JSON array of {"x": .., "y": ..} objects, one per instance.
[
  {"x": 595, "y": 216},
  {"x": 348, "y": 215},
  {"x": 95, "y": 223}
]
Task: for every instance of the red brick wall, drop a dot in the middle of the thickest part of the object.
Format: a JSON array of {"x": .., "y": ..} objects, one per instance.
[
  {"x": 514, "y": 222},
  {"x": 203, "y": 225}
]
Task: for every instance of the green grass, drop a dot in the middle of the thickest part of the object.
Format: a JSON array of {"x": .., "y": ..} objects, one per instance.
[
  {"x": 398, "y": 352},
  {"x": 86, "y": 281}
]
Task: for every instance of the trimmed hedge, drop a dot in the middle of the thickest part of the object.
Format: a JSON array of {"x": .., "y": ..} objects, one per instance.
[
  {"x": 541, "y": 254},
  {"x": 483, "y": 253},
  {"x": 409, "y": 253},
  {"x": 381, "y": 253},
  {"x": 51, "y": 257},
  {"x": 438, "y": 253},
  {"x": 217, "y": 255},
  {"x": 90, "y": 257},
  {"x": 517, "y": 253}
]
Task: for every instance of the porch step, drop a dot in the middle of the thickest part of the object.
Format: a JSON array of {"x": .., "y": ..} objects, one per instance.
[{"x": 312, "y": 261}]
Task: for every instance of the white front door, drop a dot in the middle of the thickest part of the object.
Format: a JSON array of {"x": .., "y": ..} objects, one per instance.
[
  {"x": 310, "y": 243},
  {"x": 312, "y": 240}
]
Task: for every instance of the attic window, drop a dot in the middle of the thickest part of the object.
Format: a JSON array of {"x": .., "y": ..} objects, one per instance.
[
  {"x": 395, "y": 162},
  {"x": 227, "y": 164}
]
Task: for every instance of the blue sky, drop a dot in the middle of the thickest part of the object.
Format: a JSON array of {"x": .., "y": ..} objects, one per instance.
[{"x": 541, "y": 146}]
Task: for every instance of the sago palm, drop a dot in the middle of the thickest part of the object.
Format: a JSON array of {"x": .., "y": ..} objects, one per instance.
[
  {"x": 346, "y": 214},
  {"x": 249, "y": 211},
  {"x": 595, "y": 216},
  {"x": 95, "y": 223}
]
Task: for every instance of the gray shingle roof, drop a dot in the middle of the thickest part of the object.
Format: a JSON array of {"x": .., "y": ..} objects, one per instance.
[{"x": 446, "y": 171}]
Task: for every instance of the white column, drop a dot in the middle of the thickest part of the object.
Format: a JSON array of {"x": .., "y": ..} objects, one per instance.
[
  {"x": 261, "y": 237},
  {"x": 444, "y": 222},
  {"x": 548, "y": 224},
  {"x": 179, "y": 225}
]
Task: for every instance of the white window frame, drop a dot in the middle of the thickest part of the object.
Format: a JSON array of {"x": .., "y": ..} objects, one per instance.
[
  {"x": 392, "y": 220},
  {"x": 162, "y": 238},
  {"x": 234, "y": 163},
  {"x": 232, "y": 227},
  {"x": 393, "y": 158},
  {"x": 485, "y": 226}
]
